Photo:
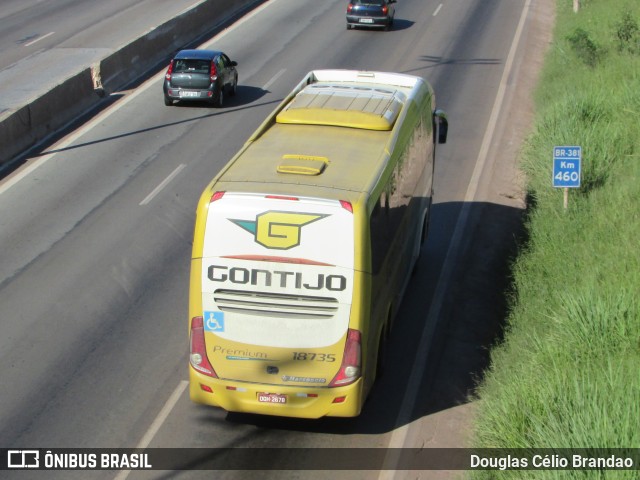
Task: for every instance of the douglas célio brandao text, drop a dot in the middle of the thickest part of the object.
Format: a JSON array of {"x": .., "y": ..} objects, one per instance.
[{"x": 551, "y": 461}]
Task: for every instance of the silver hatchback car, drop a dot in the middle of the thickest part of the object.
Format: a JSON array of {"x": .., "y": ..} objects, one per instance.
[
  {"x": 370, "y": 13},
  {"x": 200, "y": 75}
]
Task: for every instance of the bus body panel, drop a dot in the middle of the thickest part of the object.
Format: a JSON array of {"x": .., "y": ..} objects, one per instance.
[
  {"x": 243, "y": 397},
  {"x": 304, "y": 244},
  {"x": 277, "y": 284}
]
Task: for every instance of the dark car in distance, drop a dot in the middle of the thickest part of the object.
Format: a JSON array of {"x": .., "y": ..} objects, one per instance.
[
  {"x": 370, "y": 13},
  {"x": 200, "y": 75}
]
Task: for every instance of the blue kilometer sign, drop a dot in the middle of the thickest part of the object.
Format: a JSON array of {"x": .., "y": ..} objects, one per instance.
[{"x": 566, "y": 166}]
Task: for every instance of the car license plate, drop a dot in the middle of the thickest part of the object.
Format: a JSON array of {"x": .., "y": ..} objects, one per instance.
[
  {"x": 272, "y": 398},
  {"x": 366, "y": 20},
  {"x": 189, "y": 94}
]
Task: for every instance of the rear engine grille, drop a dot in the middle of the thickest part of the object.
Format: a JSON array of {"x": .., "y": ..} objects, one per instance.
[{"x": 275, "y": 304}]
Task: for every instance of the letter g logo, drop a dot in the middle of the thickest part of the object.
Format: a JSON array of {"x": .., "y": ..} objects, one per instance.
[
  {"x": 281, "y": 230},
  {"x": 278, "y": 230}
]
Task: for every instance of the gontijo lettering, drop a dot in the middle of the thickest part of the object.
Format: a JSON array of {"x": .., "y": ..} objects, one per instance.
[{"x": 283, "y": 279}]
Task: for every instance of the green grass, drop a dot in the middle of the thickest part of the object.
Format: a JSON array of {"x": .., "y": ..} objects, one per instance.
[{"x": 567, "y": 374}]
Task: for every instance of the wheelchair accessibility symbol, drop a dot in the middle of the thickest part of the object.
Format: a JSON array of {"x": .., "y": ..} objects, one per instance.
[{"x": 214, "y": 321}]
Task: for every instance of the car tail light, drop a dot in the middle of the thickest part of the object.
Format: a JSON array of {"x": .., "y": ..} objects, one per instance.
[
  {"x": 350, "y": 369},
  {"x": 167, "y": 75},
  {"x": 385, "y": 10},
  {"x": 213, "y": 72},
  {"x": 197, "y": 351},
  {"x": 349, "y": 8}
]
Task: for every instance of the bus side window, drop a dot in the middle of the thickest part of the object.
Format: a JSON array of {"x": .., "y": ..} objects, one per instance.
[
  {"x": 396, "y": 202},
  {"x": 412, "y": 162},
  {"x": 379, "y": 233},
  {"x": 376, "y": 209}
]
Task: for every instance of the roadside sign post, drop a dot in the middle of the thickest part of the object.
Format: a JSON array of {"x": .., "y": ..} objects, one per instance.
[{"x": 567, "y": 161}]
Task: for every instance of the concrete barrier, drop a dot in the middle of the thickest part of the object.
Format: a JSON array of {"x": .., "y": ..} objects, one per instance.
[
  {"x": 26, "y": 126},
  {"x": 22, "y": 128}
]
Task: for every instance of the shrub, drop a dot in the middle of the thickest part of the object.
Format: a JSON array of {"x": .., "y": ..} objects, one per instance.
[
  {"x": 585, "y": 47},
  {"x": 627, "y": 33}
]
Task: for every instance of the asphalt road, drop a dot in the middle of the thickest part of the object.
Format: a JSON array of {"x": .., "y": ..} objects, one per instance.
[
  {"x": 35, "y": 27},
  {"x": 96, "y": 238},
  {"x": 42, "y": 41}
]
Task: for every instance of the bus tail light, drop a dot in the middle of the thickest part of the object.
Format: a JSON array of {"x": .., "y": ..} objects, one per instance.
[
  {"x": 281, "y": 197},
  {"x": 346, "y": 205},
  {"x": 350, "y": 369},
  {"x": 197, "y": 351},
  {"x": 307, "y": 395},
  {"x": 216, "y": 196}
]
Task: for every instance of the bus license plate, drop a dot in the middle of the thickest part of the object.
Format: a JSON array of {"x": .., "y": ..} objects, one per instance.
[{"x": 272, "y": 398}]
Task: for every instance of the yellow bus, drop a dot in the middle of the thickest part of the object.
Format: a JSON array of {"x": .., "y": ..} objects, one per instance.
[{"x": 305, "y": 242}]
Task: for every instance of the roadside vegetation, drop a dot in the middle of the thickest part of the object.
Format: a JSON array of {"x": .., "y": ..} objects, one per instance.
[{"x": 567, "y": 373}]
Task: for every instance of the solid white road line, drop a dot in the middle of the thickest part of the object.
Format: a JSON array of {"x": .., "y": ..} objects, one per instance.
[
  {"x": 273, "y": 79},
  {"x": 157, "y": 423},
  {"x": 399, "y": 435},
  {"x": 38, "y": 39},
  {"x": 164, "y": 183}
]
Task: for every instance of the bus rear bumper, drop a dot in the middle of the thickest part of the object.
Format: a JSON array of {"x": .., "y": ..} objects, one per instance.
[{"x": 301, "y": 402}]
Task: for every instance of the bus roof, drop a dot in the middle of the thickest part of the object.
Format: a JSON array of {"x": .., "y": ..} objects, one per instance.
[
  {"x": 332, "y": 135},
  {"x": 344, "y": 105}
]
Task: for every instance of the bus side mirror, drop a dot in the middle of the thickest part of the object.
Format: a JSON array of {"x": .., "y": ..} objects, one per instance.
[{"x": 440, "y": 119}]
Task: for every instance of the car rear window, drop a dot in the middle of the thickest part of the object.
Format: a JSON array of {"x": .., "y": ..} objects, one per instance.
[
  {"x": 183, "y": 65},
  {"x": 369, "y": 2}
]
